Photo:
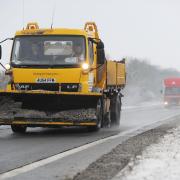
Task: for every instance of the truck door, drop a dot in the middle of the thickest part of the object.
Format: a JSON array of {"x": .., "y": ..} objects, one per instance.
[{"x": 100, "y": 61}]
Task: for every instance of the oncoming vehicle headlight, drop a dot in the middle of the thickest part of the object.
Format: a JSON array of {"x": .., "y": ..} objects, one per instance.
[{"x": 165, "y": 103}]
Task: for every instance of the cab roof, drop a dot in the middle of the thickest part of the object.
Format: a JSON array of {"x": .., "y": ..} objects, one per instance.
[
  {"x": 90, "y": 30},
  {"x": 172, "y": 82},
  {"x": 57, "y": 31}
]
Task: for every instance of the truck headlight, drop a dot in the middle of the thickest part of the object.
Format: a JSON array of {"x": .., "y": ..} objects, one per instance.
[
  {"x": 8, "y": 67},
  {"x": 85, "y": 67}
]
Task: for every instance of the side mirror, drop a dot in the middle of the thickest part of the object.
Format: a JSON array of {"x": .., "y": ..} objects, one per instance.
[
  {"x": 100, "y": 45},
  {"x": 0, "y": 51},
  {"x": 100, "y": 53}
]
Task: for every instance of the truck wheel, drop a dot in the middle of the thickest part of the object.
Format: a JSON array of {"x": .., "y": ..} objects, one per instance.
[
  {"x": 99, "y": 114},
  {"x": 107, "y": 120},
  {"x": 18, "y": 128},
  {"x": 115, "y": 110}
]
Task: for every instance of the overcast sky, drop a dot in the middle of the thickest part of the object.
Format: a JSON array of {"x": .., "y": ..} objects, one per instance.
[{"x": 147, "y": 29}]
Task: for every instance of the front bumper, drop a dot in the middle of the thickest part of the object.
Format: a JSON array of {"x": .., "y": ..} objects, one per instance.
[{"x": 21, "y": 92}]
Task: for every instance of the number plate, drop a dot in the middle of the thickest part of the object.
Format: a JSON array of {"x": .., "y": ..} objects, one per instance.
[{"x": 45, "y": 80}]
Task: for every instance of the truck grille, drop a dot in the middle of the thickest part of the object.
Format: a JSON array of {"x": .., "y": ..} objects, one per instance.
[
  {"x": 64, "y": 87},
  {"x": 69, "y": 87},
  {"x": 37, "y": 86}
]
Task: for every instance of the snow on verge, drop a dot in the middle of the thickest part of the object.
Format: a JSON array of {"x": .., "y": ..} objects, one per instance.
[{"x": 158, "y": 161}]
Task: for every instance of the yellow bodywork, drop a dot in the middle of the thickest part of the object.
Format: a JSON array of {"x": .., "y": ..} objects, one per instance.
[
  {"x": 116, "y": 74},
  {"x": 67, "y": 75},
  {"x": 92, "y": 83},
  {"x": 48, "y": 123},
  {"x": 112, "y": 73},
  {"x": 61, "y": 75}
]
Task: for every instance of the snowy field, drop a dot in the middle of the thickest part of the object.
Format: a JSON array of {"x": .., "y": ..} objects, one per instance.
[{"x": 158, "y": 161}]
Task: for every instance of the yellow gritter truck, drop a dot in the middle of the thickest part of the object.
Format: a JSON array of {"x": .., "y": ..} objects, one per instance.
[{"x": 61, "y": 77}]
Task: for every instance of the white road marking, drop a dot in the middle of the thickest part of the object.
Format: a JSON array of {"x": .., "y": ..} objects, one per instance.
[
  {"x": 59, "y": 156},
  {"x": 143, "y": 106}
]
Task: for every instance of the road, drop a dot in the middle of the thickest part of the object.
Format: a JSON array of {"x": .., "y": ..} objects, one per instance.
[{"x": 40, "y": 143}]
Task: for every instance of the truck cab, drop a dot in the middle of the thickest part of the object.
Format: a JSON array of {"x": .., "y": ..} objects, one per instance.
[
  {"x": 171, "y": 92},
  {"x": 62, "y": 60}
]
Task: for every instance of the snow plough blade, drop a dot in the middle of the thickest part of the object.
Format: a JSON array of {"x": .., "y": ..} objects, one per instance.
[{"x": 38, "y": 109}]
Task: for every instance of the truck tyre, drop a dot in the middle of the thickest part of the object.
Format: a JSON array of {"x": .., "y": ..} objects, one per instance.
[
  {"x": 99, "y": 115},
  {"x": 115, "y": 110},
  {"x": 18, "y": 128},
  {"x": 107, "y": 120}
]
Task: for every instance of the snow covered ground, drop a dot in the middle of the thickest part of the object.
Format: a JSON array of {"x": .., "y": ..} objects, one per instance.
[{"x": 158, "y": 161}]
